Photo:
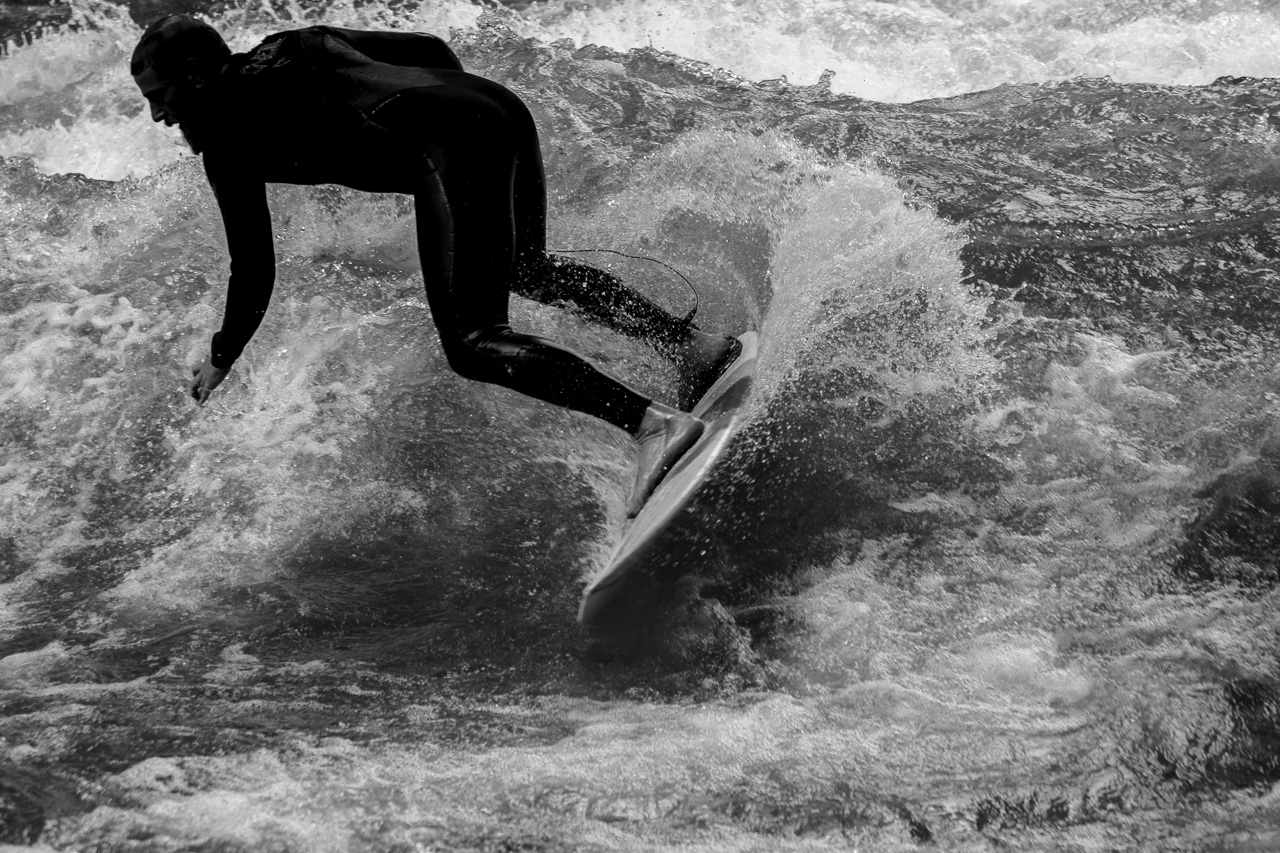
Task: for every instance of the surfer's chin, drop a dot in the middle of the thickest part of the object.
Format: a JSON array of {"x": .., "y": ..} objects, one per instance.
[{"x": 192, "y": 137}]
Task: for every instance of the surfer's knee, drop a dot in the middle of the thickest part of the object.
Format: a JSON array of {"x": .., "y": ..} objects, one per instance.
[
  {"x": 465, "y": 360},
  {"x": 482, "y": 355}
]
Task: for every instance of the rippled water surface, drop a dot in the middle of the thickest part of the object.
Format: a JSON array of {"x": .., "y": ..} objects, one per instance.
[{"x": 993, "y": 565}]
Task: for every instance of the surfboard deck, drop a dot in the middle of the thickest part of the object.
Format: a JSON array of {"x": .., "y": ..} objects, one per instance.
[{"x": 722, "y": 408}]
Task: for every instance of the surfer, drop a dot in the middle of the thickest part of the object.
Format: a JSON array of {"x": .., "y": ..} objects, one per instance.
[{"x": 395, "y": 112}]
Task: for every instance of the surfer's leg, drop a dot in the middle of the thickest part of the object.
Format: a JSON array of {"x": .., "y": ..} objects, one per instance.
[
  {"x": 467, "y": 239},
  {"x": 602, "y": 297},
  {"x": 699, "y": 357},
  {"x": 529, "y": 186},
  {"x": 480, "y": 345},
  {"x": 554, "y": 280},
  {"x": 597, "y": 294},
  {"x": 466, "y": 248}
]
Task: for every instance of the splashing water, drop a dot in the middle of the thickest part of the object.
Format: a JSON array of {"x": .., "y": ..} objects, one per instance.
[
  {"x": 905, "y": 51},
  {"x": 990, "y": 565}
]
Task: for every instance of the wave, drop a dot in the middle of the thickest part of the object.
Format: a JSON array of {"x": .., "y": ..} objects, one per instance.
[{"x": 991, "y": 563}]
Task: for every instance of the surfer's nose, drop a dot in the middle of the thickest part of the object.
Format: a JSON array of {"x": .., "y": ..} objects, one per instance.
[{"x": 158, "y": 113}]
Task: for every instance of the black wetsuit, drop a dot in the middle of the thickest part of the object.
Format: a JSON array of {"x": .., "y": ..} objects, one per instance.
[{"x": 395, "y": 112}]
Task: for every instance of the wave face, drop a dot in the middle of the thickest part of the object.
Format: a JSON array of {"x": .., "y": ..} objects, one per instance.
[{"x": 993, "y": 563}]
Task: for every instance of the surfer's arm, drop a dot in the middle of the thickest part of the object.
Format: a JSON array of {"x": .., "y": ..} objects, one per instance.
[
  {"x": 414, "y": 50},
  {"x": 247, "y": 220}
]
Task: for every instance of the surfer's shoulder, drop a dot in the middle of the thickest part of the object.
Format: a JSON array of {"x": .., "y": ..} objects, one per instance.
[{"x": 273, "y": 52}]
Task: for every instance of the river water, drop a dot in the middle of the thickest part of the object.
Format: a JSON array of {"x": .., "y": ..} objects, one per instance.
[{"x": 993, "y": 565}]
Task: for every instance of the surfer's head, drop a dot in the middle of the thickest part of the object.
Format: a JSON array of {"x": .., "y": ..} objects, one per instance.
[{"x": 174, "y": 61}]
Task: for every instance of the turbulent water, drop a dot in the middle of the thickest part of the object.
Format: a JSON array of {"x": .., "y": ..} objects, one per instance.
[{"x": 994, "y": 564}]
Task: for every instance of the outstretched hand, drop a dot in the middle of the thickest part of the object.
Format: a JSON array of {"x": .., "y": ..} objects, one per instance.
[{"x": 204, "y": 379}]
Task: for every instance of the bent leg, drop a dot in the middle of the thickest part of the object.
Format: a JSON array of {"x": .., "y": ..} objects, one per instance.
[
  {"x": 552, "y": 280},
  {"x": 604, "y": 298},
  {"x": 466, "y": 239},
  {"x": 529, "y": 187},
  {"x": 539, "y": 368},
  {"x": 471, "y": 119}
]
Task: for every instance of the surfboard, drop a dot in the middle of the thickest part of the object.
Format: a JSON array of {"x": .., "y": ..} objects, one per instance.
[{"x": 722, "y": 408}]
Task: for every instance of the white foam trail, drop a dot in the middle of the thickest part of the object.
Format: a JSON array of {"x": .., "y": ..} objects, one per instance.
[
  {"x": 109, "y": 149},
  {"x": 881, "y": 51},
  {"x": 910, "y": 51}
]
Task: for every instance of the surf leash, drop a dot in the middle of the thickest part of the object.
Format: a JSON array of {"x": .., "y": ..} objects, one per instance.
[{"x": 688, "y": 318}]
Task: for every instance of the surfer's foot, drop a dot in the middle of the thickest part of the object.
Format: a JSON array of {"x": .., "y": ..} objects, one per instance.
[
  {"x": 701, "y": 360},
  {"x": 664, "y": 436}
]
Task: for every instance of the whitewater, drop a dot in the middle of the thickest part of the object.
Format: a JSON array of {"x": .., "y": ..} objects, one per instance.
[{"x": 992, "y": 566}]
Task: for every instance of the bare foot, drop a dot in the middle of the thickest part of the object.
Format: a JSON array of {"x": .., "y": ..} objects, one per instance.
[
  {"x": 664, "y": 436},
  {"x": 701, "y": 359}
]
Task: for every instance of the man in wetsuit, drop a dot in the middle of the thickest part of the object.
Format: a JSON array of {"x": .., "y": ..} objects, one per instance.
[{"x": 395, "y": 112}]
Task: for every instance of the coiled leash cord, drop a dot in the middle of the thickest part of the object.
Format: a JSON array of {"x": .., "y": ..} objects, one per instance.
[{"x": 688, "y": 318}]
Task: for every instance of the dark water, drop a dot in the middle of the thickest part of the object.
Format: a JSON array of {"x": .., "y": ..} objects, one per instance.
[{"x": 994, "y": 566}]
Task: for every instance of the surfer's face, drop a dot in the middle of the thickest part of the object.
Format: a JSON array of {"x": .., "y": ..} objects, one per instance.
[
  {"x": 166, "y": 97},
  {"x": 172, "y": 102}
]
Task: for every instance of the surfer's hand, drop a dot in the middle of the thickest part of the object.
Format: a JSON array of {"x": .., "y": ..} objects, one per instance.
[{"x": 204, "y": 379}]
